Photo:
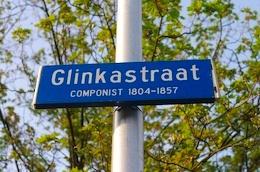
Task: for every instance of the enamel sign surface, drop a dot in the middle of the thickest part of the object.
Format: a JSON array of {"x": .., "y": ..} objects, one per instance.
[{"x": 134, "y": 83}]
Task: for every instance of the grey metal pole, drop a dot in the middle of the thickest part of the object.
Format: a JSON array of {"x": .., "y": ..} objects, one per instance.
[{"x": 127, "y": 144}]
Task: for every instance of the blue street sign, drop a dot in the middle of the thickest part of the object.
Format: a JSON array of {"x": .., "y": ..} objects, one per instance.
[{"x": 134, "y": 83}]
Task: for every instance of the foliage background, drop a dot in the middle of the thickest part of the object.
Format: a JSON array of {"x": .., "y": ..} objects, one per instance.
[{"x": 202, "y": 137}]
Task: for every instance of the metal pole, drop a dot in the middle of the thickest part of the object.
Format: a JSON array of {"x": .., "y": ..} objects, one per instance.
[{"x": 127, "y": 146}]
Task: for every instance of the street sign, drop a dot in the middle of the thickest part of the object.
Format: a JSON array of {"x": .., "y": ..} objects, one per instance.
[{"x": 133, "y": 83}]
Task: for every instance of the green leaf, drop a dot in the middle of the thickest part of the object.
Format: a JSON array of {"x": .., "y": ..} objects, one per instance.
[{"x": 21, "y": 34}]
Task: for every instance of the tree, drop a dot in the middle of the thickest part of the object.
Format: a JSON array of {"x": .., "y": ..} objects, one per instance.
[{"x": 197, "y": 137}]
